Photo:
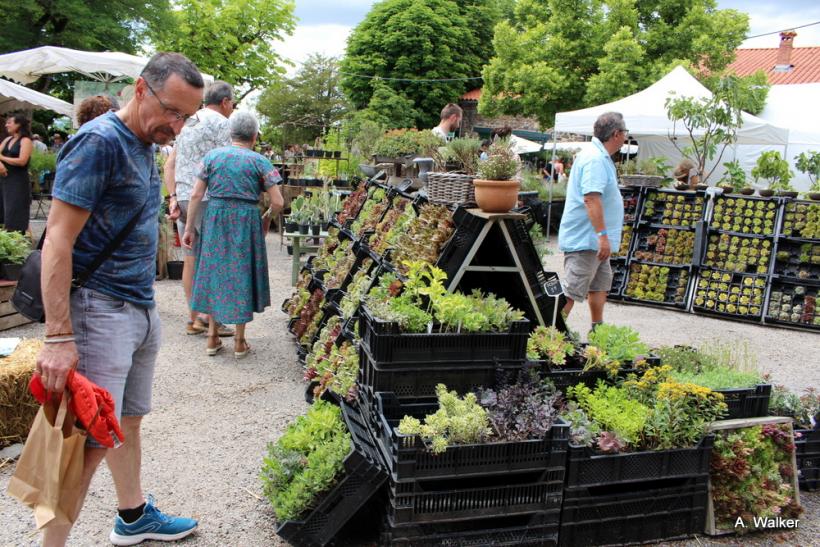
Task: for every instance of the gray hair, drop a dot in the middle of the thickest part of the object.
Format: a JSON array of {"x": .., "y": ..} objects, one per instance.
[
  {"x": 164, "y": 64},
  {"x": 217, "y": 92},
  {"x": 607, "y": 124},
  {"x": 244, "y": 126}
]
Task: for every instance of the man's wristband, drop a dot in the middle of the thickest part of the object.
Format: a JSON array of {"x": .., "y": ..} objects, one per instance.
[
  {"x": 60, "y": 340},
  {"x": 601, "y": 233}
]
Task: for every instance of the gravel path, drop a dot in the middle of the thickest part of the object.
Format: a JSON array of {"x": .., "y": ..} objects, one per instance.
[{"x": 213, "y": 417}]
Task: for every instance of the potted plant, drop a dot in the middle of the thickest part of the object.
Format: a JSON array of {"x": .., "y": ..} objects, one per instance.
[
  {"x": 40, "y": 164},
  {"x": 14, "y": 248},
  {"x": 775, "y": 170},
  {"x": 735, "y": 179},
  {"x": 809, "y": 163},
  {"x": 495, "y": 189}
]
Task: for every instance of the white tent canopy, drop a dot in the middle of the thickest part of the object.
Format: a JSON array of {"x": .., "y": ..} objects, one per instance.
[
  {"x": 108, "y": 66},
  {"x": 16, "y": 97},
  {"x": 645, "y": 113}
]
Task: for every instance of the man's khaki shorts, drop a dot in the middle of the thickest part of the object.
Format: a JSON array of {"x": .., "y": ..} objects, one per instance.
[{"x": 584, "y": 273}]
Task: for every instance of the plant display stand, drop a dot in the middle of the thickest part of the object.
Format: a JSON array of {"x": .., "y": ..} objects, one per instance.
[
  {"x": 732, "y": 425},
  {"x": 500, "y": 258},
  {"x": 9, "y": 317},
  {"x": 728, "y": 256},
  {"x": 807, "y": 454}
]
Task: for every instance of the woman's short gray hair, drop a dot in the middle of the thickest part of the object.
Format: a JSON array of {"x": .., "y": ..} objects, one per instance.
[
  {"x": 244, "y": 126},
  {"x": 607, "y": 124}
]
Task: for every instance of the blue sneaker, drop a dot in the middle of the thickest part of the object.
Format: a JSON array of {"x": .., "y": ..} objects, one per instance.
[{"x": 153, "y": 524}]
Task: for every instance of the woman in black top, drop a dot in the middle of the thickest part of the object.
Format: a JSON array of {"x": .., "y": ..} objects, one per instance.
[{"x": 15, "y": 186}]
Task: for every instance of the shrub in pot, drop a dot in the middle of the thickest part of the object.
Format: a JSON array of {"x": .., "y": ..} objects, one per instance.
[
  {"x": 809, "y": 163},
  {"x": 495, "y": 189},
  {"x": 771, "y": 167},
  {"x": 14, "y": 248}
]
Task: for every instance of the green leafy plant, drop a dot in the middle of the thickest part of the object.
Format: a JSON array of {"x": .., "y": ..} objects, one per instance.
[
  {"x": 502, "y": 162},
  {"x": 716, "y": 365},
  {"x": 466, "y": 152},
  {"x": 613, "y": 410},
  {"x": 711, "y": 123},
  {"x": 621, "y": 343},
  {"x": 406, "y": 142},
  {"x": 734, "y": 176},
  {"x": 550, "y": 344},
  {"x": 14, "y": 247},
  {"x": 39, "y": 163},
  {"x": 809, "y": 163},
  {"x": 305, "y": 461},
  {"x": 805, "y": 409},
  {"x": 457, "y": 421},
  {"x": 771, "y": 167}
]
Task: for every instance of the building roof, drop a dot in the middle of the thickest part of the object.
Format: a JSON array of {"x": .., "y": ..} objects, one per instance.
[
  {"x": 804, "y": 60},
  {"x": 472, "y": 95}
]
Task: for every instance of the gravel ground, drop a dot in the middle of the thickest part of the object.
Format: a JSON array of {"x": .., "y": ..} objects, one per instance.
[{"x": 204, "y": 441}]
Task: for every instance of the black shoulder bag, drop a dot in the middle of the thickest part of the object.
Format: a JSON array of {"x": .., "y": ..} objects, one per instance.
[{"x": 28, "y": 296}]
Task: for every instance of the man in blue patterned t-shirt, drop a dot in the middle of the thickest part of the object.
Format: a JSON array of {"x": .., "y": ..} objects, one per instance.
[{"x": 109, "y": 329}]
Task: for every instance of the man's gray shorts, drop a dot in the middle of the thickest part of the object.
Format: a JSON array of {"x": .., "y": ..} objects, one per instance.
[
  {"x": 197, "y": 222},
  {"x": 583, "y": 273},
  {"x": 118, "y": 344}
]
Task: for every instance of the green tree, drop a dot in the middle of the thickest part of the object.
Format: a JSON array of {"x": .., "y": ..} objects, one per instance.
[
  {"x": 620, "y": 71},
  {"x": 114, "y": 25},
  {"x": 752, "y": 90},
  {"x": 305, "y": 105},
  {"x": 230, "y": 39},
  {"x": 389, "y": 108},
  {"x": 559, "y": 55},
  {"x": 404, "y": 40}
]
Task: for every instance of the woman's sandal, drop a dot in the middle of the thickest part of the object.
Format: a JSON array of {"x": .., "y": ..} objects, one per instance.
[
  {"x": 241, "y": 354},
  {"x": 213, "y": 351}
]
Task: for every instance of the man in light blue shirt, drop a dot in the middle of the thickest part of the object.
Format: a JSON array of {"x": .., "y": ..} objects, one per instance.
[{"x": 593, "y": 217}]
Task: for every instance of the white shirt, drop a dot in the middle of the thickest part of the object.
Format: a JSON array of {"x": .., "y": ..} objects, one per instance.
[
  {"x": 40, "y": 146},
  {"x": 212, "y": 131},
  {"x": 439, "y": 132}
]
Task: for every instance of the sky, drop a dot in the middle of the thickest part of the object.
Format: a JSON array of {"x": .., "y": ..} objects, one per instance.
[{"x": 324, "y": 25}]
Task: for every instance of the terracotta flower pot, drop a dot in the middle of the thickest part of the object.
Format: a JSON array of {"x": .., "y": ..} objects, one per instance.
[{"x": 496, "y": 196}]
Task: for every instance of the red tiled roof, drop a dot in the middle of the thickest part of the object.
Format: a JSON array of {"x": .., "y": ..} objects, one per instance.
[
  {"x": 473, "y": 95},
  {"x": 805, "y": 60}
]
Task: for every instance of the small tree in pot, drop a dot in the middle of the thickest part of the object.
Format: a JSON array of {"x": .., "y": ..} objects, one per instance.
[
  {"x": 775, "y": 170},
  {"x": 495, "y": 189}
]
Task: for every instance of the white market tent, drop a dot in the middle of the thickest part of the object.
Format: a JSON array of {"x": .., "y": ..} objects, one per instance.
[
  {"x": 109, "y": 66},
  {"x": 16, "y": 97},
  {"x": 646, "y": 119}
]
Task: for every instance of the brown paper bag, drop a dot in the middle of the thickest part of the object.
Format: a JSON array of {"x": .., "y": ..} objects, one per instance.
[{"x": 48, "y": 474}]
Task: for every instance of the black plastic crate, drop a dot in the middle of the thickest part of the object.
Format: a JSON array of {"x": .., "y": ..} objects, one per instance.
[
  {"x": 448, "y": 500},
  {"x": 361, "y": 479},
  {"x": 655, "y": 245},
  {"x": 527, "y": 253},
  {"x": 798, "y": 259},
  {"x": 619, "y": 271},
  {"x": 793, "y": 304},
  {"x": 408, "y": 457},
  {"x": 745, "y": 215},
  {"x": 730, "y": 294},
  {"x": 467, "y": 228},
  {"x": 420, "y": 379},
  {"x": 535, "y": 529},
  {"x": 587, "y": 468},
  {"x": 724, "y": 251},
  {"x": 675, "y": 293},
  {"x": 807, "y": 451},
  {"x": 749, "y": 402},
  {"x": 661, "y": 208},
  {"x": 653, "y": 511},
  {"x": 631, "y": 197},
  {"x": 388, "y": 347},
  {"x": 795, "y": 217}
]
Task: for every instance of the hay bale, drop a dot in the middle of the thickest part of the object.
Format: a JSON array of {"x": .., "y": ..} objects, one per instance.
[{"x": 17, "y": 406}]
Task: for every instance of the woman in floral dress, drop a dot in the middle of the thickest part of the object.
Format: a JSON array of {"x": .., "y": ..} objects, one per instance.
[{"x": 231, "y": 280}]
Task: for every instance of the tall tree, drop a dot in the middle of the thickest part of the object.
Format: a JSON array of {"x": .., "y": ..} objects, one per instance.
[
  {"x": 113, "y": 25},
  {"x": 405, "y": 40},
  {"x": 230, "y": 39},
  {"x": 565, "y": 54},
  {"x": 305, "y": 105}
]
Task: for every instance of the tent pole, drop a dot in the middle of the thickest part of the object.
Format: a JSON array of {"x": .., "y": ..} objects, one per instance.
[{"x": 549, "y": 205}]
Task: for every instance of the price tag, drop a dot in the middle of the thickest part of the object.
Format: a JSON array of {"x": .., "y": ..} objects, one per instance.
[{"x": 552, "y": 287}]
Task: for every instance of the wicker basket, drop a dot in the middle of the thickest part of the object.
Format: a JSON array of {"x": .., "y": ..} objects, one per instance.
[
  {"x": 651, "y": 181},
  {"x": 451, "y": 188}
]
